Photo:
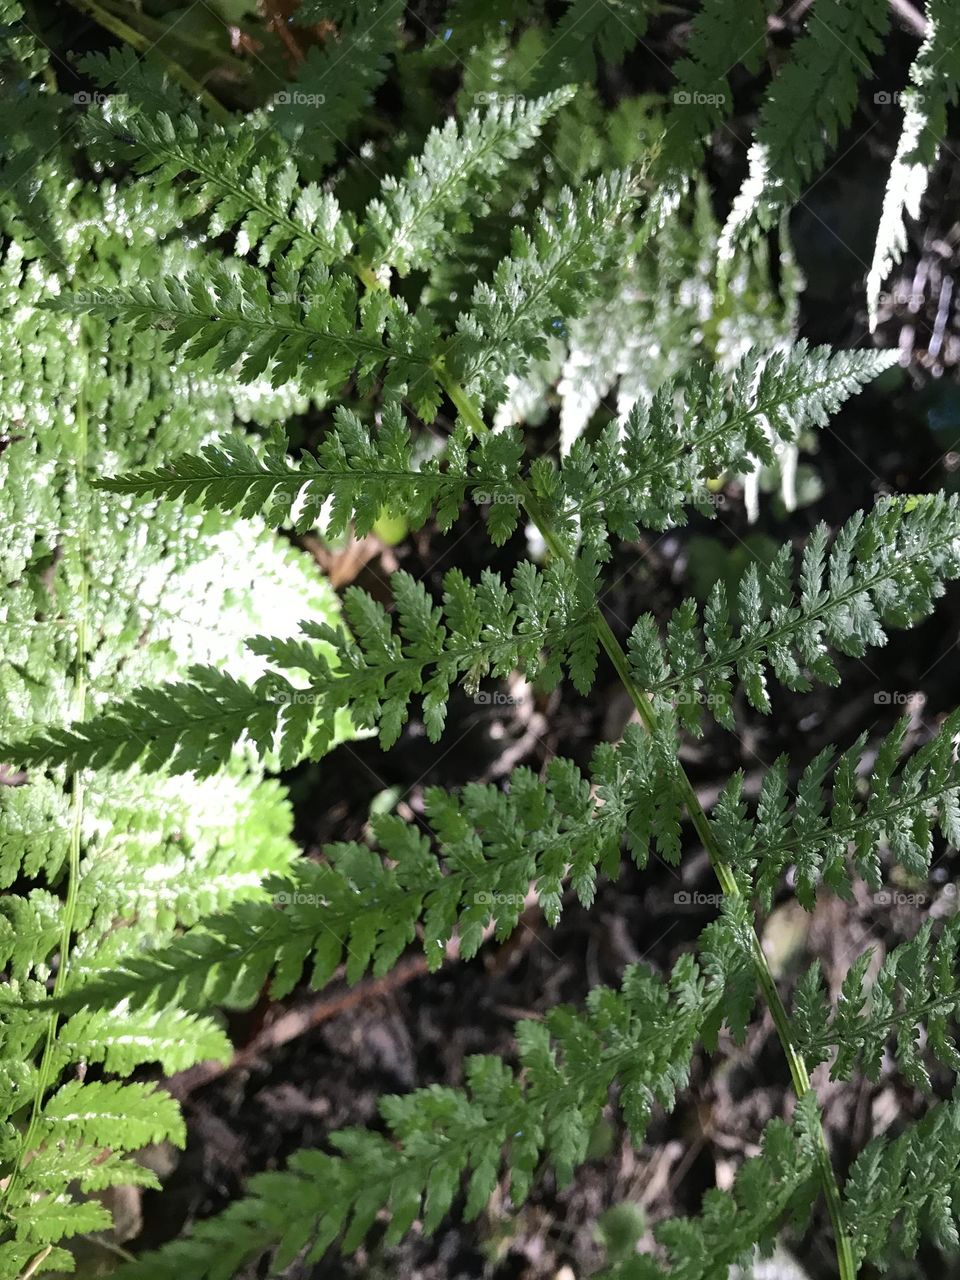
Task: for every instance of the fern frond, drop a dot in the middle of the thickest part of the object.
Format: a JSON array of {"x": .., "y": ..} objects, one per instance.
[
  {"x": 356, "y": 475},
  {"x": 84, "y": 1134},
  {"x": 811, "y": 99},
  {"x": 640, "y": 1036},
  {"x": 111, "y": 1113},
  {"x": 901, "y": 1191},
  {"x": 407, "y": 224},
  {"x": 935, "y": 77},
  {"x": 885, "y": 569},
  {"x": 546, "y": 279},
  {"x": 877, "y": 802},
  {"x": 589, "y": 33},
  {"x": 335, "y": 84},
  {"x": 545, "y": 623},
  {"x": 305, "y": 322},
  {"x": 722, "y": 35},
  {"x": 240, "y": 179},
  {"x": 494, "y": 849},
  {"x": 125, "y": 1038},
  {"x": 914, "y": 995},
  {"x": 771, "y": 1190},
  {"x": 192, "y": 725},
  {"x": 643, "y": 473}
]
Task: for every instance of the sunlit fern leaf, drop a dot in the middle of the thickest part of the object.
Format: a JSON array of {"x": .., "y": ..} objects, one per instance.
[
  {"x": 812, "y": 98},
  {"x": 935, "y": 81}
]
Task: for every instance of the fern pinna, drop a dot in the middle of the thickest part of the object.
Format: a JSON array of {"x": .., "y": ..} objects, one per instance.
[{"x": 214, "y": 280}]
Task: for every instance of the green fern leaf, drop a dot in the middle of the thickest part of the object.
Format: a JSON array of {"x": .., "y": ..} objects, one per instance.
[{"x": 885, "y": 569}]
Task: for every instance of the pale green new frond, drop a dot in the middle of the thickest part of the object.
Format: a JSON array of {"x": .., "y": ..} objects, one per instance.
[
  {"x": 502, "y": 1122},
  {"x": 935, "y": 79},
  {"x": 877, "y": 802},
  {"x": 125, "y": 1038},
  {"x": 406, "y": 226},
  {"x": 112, "y": 1113},
  {"x": 884, "y": 569}
]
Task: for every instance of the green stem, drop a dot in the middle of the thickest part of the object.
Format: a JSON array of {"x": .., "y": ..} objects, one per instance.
[
  {"x": 120, "y": 29},
  {"x": 176, "y": 32},
  {"x": 728, "y": 882}
]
